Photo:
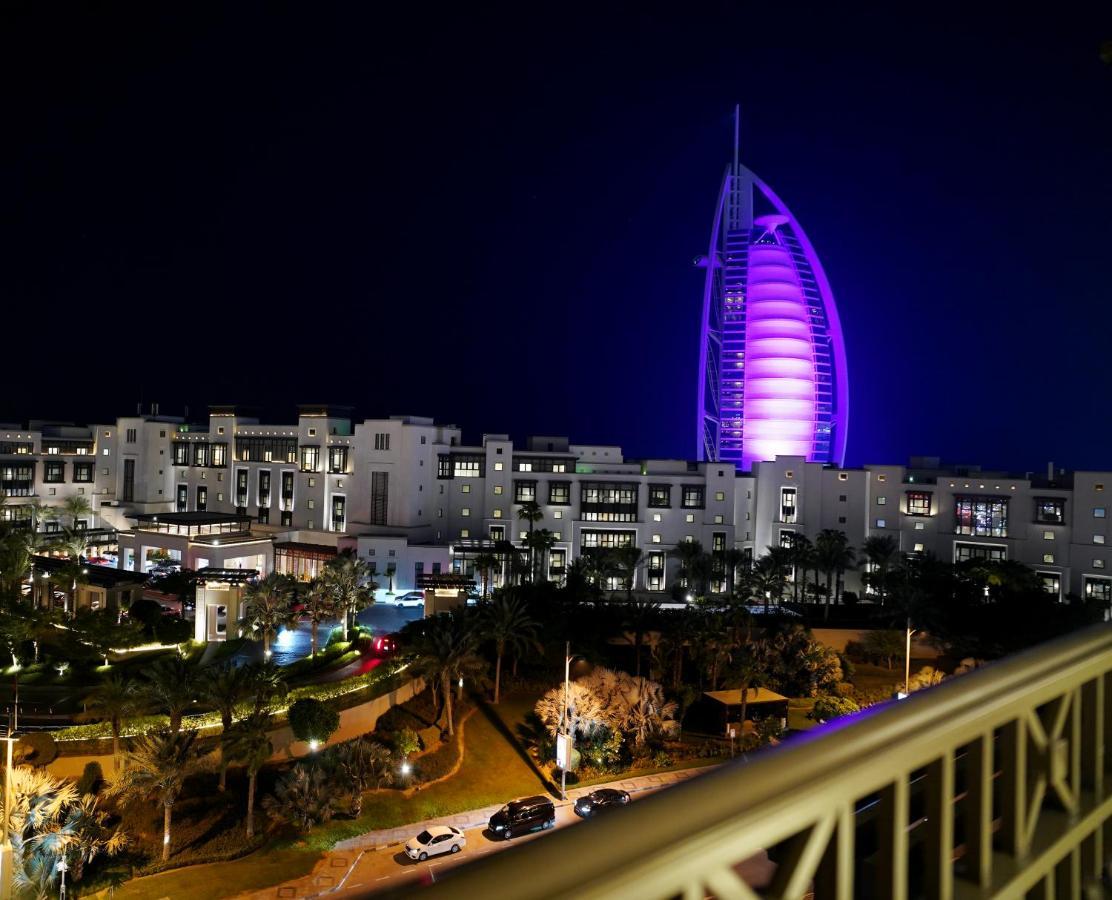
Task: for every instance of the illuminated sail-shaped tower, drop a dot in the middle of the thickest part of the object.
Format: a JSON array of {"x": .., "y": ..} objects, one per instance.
[{"x": 772, "y": 361}]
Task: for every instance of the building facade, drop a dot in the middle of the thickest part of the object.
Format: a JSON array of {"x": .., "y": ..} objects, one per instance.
[{"x": 410, "y": 498}]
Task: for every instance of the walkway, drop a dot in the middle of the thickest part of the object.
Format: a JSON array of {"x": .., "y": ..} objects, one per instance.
[{"x": 333, "y": 873}]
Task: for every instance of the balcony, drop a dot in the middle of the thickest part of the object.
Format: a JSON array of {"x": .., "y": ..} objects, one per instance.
[{"x": 994, "y": 784}]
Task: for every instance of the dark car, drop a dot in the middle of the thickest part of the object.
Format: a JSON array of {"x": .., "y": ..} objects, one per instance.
[
  {"x": 523, "y": 816},
  {"x": 596, "y": 801}
]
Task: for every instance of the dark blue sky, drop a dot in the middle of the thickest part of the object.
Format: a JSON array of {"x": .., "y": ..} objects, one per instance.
[{"x": 490, "y": 215}]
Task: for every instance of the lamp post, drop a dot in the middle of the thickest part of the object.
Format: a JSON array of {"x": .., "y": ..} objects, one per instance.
[{"x": 907, "y": 659}]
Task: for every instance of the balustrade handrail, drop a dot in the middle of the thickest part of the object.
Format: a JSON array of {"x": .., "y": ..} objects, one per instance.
[{"x": 1043, "y": 714}]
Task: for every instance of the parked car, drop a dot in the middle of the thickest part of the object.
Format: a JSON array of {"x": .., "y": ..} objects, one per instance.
[
  {"x": 596, "y": 801},
  {"x": 411, "y": 598},
  {"x": 434, "y": 841},
  {"x": 522, "y": 817},
  {"x": 384, "y": 644}
]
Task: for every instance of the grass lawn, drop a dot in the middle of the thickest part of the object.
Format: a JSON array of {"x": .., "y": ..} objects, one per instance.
[
  {"x": 798, "y": 707},
  {"x": 494, "y": 770},
  {"x": 224, "y": 879},
  {"x": 868, "y": 677}
]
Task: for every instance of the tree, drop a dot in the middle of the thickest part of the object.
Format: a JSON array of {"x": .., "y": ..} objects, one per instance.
[
  {"x": 539, "y": 542},
  {"x": 265, "y": 682},
  {"x": 443, "y": 651},
  {"x": 690, "y": 554},
  {"x": 302, "y": 798},
  {"x": 171, "y": 685},
  {"x": 313, "y": 721},
  {"x": 268, "y": 607},
  {"x": 485, "y": 563},
  {"x": 348, "y": 579},
  {"x": 640, "y": 616},
  {"x": 99, "y": 630},
  {"x": 248, "y": 744},
  {"x": 506, "y": 622},
  {"x": 113, "y": 700},
  {"x": 827, "y": 708},
  {"x": 530, "y": 512},
  {"x": 834, "y": 556},
  {"x": 156, "y": 769},
  {"x": 17, "y": 548},
  {"x": 767, "y": 579},
  {"x": 801, "y": 555},
  {"x": 76, "y": 508},
  {"x": 733, "y": 559},
  {"x": 225, "y": 687},
  {"x": 751, "y": 670},
  {"x": 885, "y": 645},
  {"x": 361, "y": 764},
  {"x": 320, "y": 606},
  {"x": 880, "y": 552}
]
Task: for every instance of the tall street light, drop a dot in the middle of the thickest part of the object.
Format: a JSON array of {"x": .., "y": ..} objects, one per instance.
[
  {"x": 907, "y": 658},
  {"x": 564, "y": 742}
]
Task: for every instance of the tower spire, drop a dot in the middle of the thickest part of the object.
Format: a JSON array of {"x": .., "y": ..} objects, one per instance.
[{"x": 737, "y": 135}]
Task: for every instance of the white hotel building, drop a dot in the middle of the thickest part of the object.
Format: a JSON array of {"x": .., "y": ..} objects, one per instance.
[{"x": 411, "y": 499}]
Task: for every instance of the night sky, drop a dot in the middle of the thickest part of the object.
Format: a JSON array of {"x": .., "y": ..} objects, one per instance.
[{"x": 489, "y": 214}]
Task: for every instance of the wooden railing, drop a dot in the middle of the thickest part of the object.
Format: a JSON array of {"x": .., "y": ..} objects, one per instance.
[{"x": 992, "y": 784}]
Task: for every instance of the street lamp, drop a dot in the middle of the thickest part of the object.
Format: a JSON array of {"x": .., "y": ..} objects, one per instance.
[
  {"x": 565, "y": 743},
  {"x": 907, "y": 659}
]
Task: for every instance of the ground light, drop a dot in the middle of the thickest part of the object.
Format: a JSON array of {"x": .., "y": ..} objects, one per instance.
[
  {"x": 313, "y": 745},
  {"x": 406, "y": 767}
]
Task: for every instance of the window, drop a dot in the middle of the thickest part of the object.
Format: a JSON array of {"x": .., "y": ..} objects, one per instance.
[
  {"x": 525, "y": 492},
  {"x": 607, "y": 501},
  {"x": 657, "y": 517},
  {"x": 182, "y": 503},
  {"x": 312, "y": 432},
  {"x": 53, "y": 472},
  {"x": 310, "y": 458},
  {"x": 525, "y": 465},
  {"x": 497, "y": 532},
  {"x": 200, "y": 454},
  {"x": 689, "y": 518},
  {"x": 843, "y": 476},
  {"x": 418, "y": 573},
  {"x": 718, "y": 520},
  {"x": 1098, "y": 512},
  {"x": 1099, "y": 589},
  {"x": 1098, "y": 538},
  {"x": 380, "y": 490},
  {"x": 264, "y": 488},
  {"x": 981, "y": 516},
  {"x": 1048, "y": 558},
  {"x": 605, "y": 540},
  {"x": 841, "y": 520},
  {"x": 918, "y": 503},
  {"x": 1050, "y": 510},
  {"x": 918, "y": 548},
  {"x": 464, "y": 533},
  {"x": 264, "y": 516},
  {"x": 559, "y": 493},
  {"x": 963, "y": 552},
  {"x": 181, "y": 453},
  {"x": 465, "y": 512},
  {"x": 496, "y": 514},
  {"x": 218, "y": 455},
  {"x": 82, "y": 472},
  {"x": 718, "y": 542},
  {"x": 557, "y": 514},
  {"x": 1048, "y": 535},
  {"x": 660, "y": 496},
  {"x": 881, "y": 523},
  {"x": 656, "y": 538},
  {"x": 337, "y": 460},
  {"x": 382, "y": 440},
  {"x": 881, "y": 501},
  {"x": 465, "y": 488},
  {"x": 202, "y": 498},
  {"x": 882, "y": 478},
  {"x": 787, "y": 505},
  {"x": 787, "y": 537},
  {"x": 1051, "y": 583},
  {"x": 286, "y": 518},
  {"x": 287, "y": 488},
  {"x": 498, "y": 467},
  {"x": 339, "y": 504},
  {"x": 1098, "y": 563},
  {"x": 129, "y": 480},
  {"x": 693, "y": 496},
  {"x": 131, "y": 435},
  {"x": 498, "y": 490},
  {"x": 719, "y": 495},
  {"x": 266, "y": 449},
  {"x": 467, "y": 466},
  {"x": 841, "y": 498}
]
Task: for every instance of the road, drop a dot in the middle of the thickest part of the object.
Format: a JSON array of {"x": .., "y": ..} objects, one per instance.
[{"x": 390, "y": 868}]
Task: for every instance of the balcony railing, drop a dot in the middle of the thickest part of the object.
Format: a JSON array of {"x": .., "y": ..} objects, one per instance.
[{"x": 993, "y": 784}]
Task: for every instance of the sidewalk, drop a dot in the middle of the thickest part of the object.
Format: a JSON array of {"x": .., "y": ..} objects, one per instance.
[{"x": 332, "y": 871}]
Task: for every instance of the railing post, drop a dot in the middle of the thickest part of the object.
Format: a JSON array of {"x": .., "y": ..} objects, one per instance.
[
  {"x": 835, "y": 875},
  {"x": 938, "y": 851},
  {"x": 892, "y": 822},
  {"x": 978, "y": 810},
  {"x": 1013, "y": 787}
]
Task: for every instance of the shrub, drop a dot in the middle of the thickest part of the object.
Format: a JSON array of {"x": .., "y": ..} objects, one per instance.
[
  {"x": 429, "y": 737},
  {"x": 406, "y": 742},
  {"x": 149, "y": 612},
  {"x": 769, "y": 730},
  {"x": 39, "y": 747},
  {"x": 91, "y": 779},
  {"x": 311, "y": 720},
  {"x": 437, "y": 764},
  {"x": 172, "y": 630},
  {"x": 662, "y": 759},
  {"x": 827, "y": 708}
]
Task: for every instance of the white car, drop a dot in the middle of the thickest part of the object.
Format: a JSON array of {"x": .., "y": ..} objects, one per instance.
[
  {"x": 434, "y": 841},
  {"x": 413, "y": 598}
]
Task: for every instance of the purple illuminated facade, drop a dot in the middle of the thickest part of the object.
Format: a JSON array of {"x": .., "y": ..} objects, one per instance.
[{"x": 772, "y": 361}]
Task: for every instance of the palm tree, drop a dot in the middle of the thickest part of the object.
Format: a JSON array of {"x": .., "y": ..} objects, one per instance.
[
  {"x": 531, "y": 512},
  {"x": 156, "y": 768},
  {"x": 750, "y": 669},
  {"x": 443, "y": 651},
  {"x": 506, "y": 622},
  {"x": 833, "y": 556},
  {"x": 640, "y": 617},
  {"x": 348, "y": 579},
  {"x": 539, "y": 543},
  {"x": 880, "y": 551},
  {"x": 265, "y": 681},
  {"x": 320, "y": 606},
  {"x": 802, "y": 552},
  {"x": 689, "y": 553},
  {"x": 225, "y": 687},
  {"x": 302, "y": 797},
  {"x": 249, "y": 745},
  {"x": 268, "y": 607},
  {"x": 361, "y": 764},
  {"x": 733, "y": 559},
  {"x": 171, "y": 685},
  {"x": 114, "y": 699},
  {"x": 17, "y": 548},
  {"x": 76, "y": 507},
  {"x": 767, "y": 580},
  {"x": 484, "y": 565}
]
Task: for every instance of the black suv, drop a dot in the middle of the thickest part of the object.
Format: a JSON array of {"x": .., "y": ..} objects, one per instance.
[{"x": 523, "y": 816}]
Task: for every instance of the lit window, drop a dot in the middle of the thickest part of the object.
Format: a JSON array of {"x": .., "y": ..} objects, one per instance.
[
  {"x": 881, "y": 523},
  {"x": 1098, "y": 512},
  {"x": 1098, "y": 538},
  {"x": 463, "y": 533},
  {"x": 843, "y": 476},
  {"x": 1048, "y": 558},
  {"x": 312, "y": 432},
  {"x": 719, "y": 495},
  {"x": 920, "y": 526},
  {"x": 656, "y": 517},
  {"x": 656, "y": 538},
  {"x": 919, "y": 548},
  {"x": 558, "y": 514},
  {"x": 498, "y": 490},
  {"x": 689, "y": 517},
  {"x": 882, "y": 478},
  {"x": 718, "y": 520},
  {"x": 557, "y": 536},
  {"x": 1048, "y": 535},
  {"x": 498, "y": 467},
  {"x": 465, "y": 489},
  {"x": 310, "y": 503},
  {"x": 1098, "y": 563},
  {"x": 465, "y": 512},
  {"x": 789, "y": 474},
  {"x": 522, "y": 535},
  {"x": 497, "y": 514},
  {"x": 881, "y": 501}
]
